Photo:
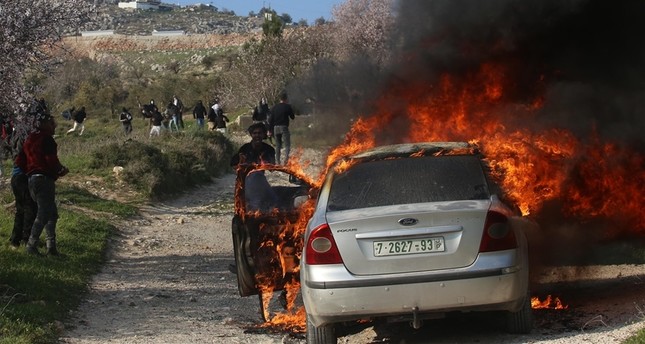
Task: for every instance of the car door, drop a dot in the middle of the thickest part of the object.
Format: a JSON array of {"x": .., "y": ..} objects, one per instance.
[{"x": 267, "y": 206}]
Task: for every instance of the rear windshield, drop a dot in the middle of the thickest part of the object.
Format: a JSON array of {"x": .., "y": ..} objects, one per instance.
[{"x": 409, "y": 180}]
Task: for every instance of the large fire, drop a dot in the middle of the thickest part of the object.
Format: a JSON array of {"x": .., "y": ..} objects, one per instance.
[{"x": 592, "y": 179}]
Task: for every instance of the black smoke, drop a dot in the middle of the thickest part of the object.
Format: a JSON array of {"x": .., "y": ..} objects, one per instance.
[{"x": 584, "y": 57}]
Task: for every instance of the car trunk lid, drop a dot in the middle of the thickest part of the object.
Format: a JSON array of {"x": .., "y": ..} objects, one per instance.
[{"x": 409, "y": 238}]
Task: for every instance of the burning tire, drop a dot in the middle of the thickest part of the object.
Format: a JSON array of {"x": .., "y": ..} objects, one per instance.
[
  {"x": 320, "y": 335},
  {"x": 521, "y": 322}
]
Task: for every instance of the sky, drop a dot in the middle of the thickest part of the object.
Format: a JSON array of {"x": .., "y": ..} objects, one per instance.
[{"x": 298, "y": 9}]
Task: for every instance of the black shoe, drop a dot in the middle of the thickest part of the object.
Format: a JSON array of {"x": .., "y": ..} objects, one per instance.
[
  {"x": 33, "y": 251},
  {"x": 53, "y": 252},
  {"x": 232, "y": 268}
]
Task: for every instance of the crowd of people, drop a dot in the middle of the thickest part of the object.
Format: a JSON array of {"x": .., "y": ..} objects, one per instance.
[
  {"x": 170, "y": 119},
  {"x": 36, "y": 166}
]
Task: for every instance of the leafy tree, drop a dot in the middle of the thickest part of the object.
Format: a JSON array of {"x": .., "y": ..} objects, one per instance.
[
  {"x": 286, "y": 18},
  {"x": 273, "y": 25},
  {"x": 320, "y": 21},
  {"x": 303, "y": 22}
]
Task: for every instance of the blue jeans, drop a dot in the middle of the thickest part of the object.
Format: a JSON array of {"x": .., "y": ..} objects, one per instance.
[
  {"x": 173, "y": 121},
  {"x": 200, "y": 123},
  {"x": 43, "y": 191}
]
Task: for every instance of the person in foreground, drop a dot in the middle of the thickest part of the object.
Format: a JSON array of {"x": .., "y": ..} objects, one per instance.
[
  {"x": 43, "y": 168},
  {"x": 257, "y": 151},
  {"x": 258, "y": 192}
]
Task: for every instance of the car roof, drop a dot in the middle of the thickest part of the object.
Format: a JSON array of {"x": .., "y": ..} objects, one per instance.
[{"x": 407, "y": 149}]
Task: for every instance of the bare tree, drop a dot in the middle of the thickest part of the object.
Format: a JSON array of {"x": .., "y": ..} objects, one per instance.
[
  {"x": 363, "y": 27},
  {"x": 265, "y": 68},
  {"x": 30, "y": 31}
]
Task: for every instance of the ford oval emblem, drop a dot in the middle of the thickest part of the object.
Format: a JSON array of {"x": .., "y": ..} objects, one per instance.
[{"x": 408, "y": 221}]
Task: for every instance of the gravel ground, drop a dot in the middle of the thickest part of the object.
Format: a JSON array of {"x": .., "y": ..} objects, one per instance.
[{"x": 167, "y": 281}]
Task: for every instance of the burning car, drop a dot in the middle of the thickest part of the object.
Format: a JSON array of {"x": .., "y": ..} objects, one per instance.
[
  {"x": 409, "y": 232},
  {"x": 266, "y": 243}
]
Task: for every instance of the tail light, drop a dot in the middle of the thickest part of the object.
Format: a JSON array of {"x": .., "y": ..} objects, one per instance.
[
  {"x": 498, "y": 235},
  {"x": 321, "y": 247}
]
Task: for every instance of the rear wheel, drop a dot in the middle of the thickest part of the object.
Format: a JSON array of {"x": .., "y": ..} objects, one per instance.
[
  {"x": 325, "y": 334},
  {"x": 521, "y": 322}
]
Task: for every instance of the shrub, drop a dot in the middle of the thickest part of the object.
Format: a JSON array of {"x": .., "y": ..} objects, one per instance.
[{"x": 164, "y": 167}]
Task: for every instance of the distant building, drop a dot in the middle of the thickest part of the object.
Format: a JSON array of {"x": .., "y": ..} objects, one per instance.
[
  {"x": 168, "y": 32},
  {"x": 97, "y": 33},
  {"x": 140, "y": 4}
]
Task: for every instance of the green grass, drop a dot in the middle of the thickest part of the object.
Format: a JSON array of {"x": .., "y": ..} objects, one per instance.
[
  {"x": 36, "y": 292},
  {"x": 638, "y": 338}
]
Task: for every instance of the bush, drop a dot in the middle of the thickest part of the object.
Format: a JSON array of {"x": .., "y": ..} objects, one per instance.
[{"x": 165, "y": 167}]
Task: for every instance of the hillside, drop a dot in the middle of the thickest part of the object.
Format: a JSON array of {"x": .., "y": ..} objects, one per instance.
[{"x": 202, "y": 19}]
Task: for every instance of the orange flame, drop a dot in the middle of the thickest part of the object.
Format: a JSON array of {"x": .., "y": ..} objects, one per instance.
[
  {"x": 548, "y": 303},
  {"x": 592, "y": 179}
]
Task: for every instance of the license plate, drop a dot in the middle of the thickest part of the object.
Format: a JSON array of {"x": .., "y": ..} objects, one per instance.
[{"x": 408, "y": 246}]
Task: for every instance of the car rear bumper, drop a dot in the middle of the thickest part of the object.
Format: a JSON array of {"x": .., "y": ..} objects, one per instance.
[{"x": 469, "y": 289}]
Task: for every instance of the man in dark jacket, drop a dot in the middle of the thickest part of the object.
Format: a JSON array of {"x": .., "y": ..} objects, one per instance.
[
  {"x": 26, "y": 207},
  {"x": 199, "y": 113},
  {"x": 43, "y": 168},
  {"x": 126, "y": 120},
  {"x": 261, "y": 111},
  {"x": 279, "y": 127},
  {"x": 220, "y": 121}
]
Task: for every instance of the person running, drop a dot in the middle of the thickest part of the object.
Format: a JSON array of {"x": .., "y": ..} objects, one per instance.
[
  {"x": 220, "y": 121},
  {"x": 79, "y": 119},
  {"x": 156, "y": 122}
]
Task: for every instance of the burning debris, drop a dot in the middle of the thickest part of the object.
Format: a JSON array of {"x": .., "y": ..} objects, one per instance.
[{"x": 548, "y": 303}]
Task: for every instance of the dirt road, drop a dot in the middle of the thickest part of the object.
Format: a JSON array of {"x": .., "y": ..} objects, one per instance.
[{"x": 167, "y": 281}]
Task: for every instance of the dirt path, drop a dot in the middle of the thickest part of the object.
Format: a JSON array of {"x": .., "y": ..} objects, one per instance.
[{"x": 167, "y": 281}]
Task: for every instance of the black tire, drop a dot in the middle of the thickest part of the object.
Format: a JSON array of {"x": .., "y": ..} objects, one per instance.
[
  {"x": 521, "y": 322},
  {"x": 320, "y": 335}
]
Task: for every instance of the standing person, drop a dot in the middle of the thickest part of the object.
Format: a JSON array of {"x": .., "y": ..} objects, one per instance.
[
  {"x": 212, "y": 118},
  {"x": 26, "y": 207},
  {"x": 180, "y": 111},
  {"x": 156, "y": 121},
  {"x": 126, "y": 120},
  {"x": 261, "y": 112},
  {"x": 279, "y": 127},
  {"x": 79, "y": 119},
  {"x": 199, "y": 113},
  {"x": 258, "y": 193},
  {"x": 171, "y": 113},
  {"x": 43, "y": 168},
  {"x": 220, "y": 121},
  {"x": 215, "y": 106}
]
